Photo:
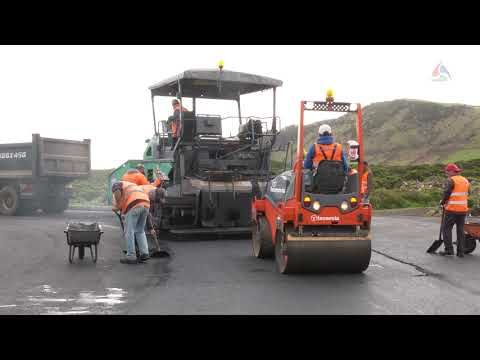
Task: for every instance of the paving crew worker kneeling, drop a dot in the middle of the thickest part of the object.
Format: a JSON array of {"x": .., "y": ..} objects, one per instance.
[
  {"x": 134, "y": 203},
  {"x": 455, "y": 205},
  {"x": 325, "y": 149}
]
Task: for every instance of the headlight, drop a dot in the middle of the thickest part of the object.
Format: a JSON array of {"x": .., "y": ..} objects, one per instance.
[
  {"x": 316, "y": 206},
  {"x": 307, "y": 201},
  {"x": 344, "y": 206}
]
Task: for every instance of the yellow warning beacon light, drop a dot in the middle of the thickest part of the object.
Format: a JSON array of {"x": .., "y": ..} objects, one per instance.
[{"x": 330, "y": 95}]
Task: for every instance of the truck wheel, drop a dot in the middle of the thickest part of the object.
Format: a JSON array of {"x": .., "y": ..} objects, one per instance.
[
  {"x": 470, "y": 244},
  {"x": 262, "y": 239},
  {"x": 8, "y": 201}
]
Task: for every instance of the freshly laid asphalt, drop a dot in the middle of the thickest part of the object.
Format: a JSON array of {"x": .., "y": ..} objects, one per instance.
[{"x": 220, "y": 276}]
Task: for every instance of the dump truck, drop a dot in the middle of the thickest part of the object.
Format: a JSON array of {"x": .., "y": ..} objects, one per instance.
[
  {"x": 315, "y": 221},
  {"x": 38, "y": 174},
  {"x": 213, "y": 176}
]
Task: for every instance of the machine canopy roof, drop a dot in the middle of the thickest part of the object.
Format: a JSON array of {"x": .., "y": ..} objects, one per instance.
[{"x": 213, "y": 84}]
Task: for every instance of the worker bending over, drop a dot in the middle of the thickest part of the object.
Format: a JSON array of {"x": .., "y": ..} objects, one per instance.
[
  {"x": 134, "y": 204},
  {"x": 455, "y": 205},
  {"x": 325, "y": 149},
  {"x": 174, "y": 120}
]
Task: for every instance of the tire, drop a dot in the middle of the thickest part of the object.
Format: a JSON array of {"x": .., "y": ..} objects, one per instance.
[
  {"x": 81, "y": 252},
  {"x": 56, "y": 206},
  {"x": 470, "y": 244},
  {"x": 262, "y": 239},
  {"x": 281, "y": 254},
  {"x": 9, "y": 201}
]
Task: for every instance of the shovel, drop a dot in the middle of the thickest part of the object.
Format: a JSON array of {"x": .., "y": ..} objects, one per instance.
[
  {"x": 155, "y": 253},
  {"x": 437, "y": 243}
]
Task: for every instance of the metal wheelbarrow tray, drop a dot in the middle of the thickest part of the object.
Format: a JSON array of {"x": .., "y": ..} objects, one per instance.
[{"x": 83, "y": 235}]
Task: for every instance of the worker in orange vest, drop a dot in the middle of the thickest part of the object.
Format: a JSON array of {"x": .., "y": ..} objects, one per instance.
[
  {"x": 134, "y": 204},
  {"x": 366, "y": 181},
  {"x": 455, "y": 206},
  {"x": 325, "y": 149},
  {"x": 137, "y": 176},
  {"x": 174, "y": 120}
]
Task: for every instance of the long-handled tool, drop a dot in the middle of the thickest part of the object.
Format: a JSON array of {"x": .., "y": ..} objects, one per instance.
[
  {"x": 158, "y": 252},
  {"x": 155, "y": 253},
  {"x": 437, "y": 243}
]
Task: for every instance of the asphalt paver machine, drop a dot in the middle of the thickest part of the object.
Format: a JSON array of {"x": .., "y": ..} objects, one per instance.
[
  {"x": 213, "y": 177},
  {"x": 315, "y": 221}
]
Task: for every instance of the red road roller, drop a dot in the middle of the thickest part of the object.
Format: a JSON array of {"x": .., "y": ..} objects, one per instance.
[{"x": 315, "y": 220}]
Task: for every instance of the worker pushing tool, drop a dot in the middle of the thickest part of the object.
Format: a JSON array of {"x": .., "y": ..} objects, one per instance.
[
  {"x": 316, "y": 221},
  {"x": 455, "y": 206}
]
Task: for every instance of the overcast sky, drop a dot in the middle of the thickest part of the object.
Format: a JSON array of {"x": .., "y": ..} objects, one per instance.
[{"x": 101, "y": 92}]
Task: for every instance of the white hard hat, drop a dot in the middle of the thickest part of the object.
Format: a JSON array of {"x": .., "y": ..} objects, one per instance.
[
  {"x": 352, "y": 143},
  {"x": 324, "y": 128}
]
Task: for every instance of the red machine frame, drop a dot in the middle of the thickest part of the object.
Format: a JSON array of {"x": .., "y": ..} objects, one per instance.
[{"x": 291, "y": 212}]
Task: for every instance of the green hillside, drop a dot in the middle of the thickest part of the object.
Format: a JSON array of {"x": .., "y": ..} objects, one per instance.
[
  {"x": 91, "y": 191},
  {"x": 404, "y": 132}
]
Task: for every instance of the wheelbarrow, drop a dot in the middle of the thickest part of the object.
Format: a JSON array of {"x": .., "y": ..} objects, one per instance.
[
  {"x": 472, "y": 234},
  {"x": 81, "y": 236}
]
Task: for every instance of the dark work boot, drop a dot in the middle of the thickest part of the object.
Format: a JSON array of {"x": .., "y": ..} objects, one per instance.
[
  {"x": 446, "y": 253},
  {"x": 143, "y": 258},
  {"x": 127, "y": 260}
]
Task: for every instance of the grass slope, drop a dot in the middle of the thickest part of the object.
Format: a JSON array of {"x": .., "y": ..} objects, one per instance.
[{"x": 404, "y": 132}]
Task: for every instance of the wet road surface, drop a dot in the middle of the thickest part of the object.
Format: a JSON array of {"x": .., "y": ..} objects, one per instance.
[{"x": 219, "y": 276}]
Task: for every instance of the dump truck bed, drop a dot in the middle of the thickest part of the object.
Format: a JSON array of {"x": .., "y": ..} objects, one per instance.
[{"x": 45, "y": 157}]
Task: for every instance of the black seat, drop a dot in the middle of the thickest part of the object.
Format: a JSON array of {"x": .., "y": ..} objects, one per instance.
[
  {"x": 189, "y": 127},
  {"x": 352, "y": 184},
  {"x": 329, "y": 178}
]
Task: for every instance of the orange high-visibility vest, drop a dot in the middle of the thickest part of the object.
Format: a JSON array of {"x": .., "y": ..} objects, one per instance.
[
  {"x": 327, "y": 152},
  {"x": 148, "y": 188},
  {"x": 364, "y": 183},
  {"x": 458, "y": 200},
  {"x": 136, "y": 177},
  {"x": 131, "y": 193}
]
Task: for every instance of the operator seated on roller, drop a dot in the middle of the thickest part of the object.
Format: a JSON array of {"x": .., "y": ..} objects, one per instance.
[
  {"x": 174, "y": 120},
  {"x": 328, "y": 162},
  {"x": 137, "y": 176}
]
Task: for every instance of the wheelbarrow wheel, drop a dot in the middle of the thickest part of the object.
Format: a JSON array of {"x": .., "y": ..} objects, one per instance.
[
  {"x": 470, "y": 244},
  {"x": 81, "y": 252}
]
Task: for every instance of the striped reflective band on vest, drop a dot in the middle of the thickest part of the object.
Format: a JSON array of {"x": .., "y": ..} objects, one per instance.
[
  {"x": 458, "y": 200},
  {"x": 133, "y": 193}
]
